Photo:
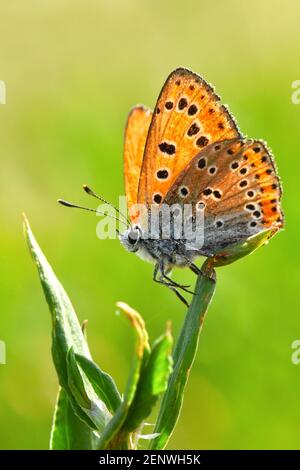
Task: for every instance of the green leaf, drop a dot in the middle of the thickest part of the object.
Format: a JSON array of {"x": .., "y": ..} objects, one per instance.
[
  {"x": 153, "y": 382},
  {"x": 103, "y": 384},
  {"x": 67, "y": 335},
  {"x": 113, "y": 437},
  {"x": 68, "y": 431},
  {"x": 184, "y": 354},
  {"x": 84, "y": 393},
  {"x": 75, "y": 382}
]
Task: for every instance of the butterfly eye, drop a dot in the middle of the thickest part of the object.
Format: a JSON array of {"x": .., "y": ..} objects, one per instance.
[{"x": 133, "y": 237}]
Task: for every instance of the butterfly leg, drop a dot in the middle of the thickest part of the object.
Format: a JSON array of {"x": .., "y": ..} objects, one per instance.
[
  {"x": 195, "y": 269},
  {"x": 165, "y": 274},
  {"x": 198, "y": 271},
  {"x": 175, "y": 284},
  {"x": 170, "y": 285}
]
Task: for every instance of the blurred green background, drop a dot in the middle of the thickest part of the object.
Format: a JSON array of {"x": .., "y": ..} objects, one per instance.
[{"x": 73, "y": 70}]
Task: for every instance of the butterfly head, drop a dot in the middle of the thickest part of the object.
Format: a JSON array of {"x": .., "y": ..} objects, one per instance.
[{"x": 131, "y": 239}]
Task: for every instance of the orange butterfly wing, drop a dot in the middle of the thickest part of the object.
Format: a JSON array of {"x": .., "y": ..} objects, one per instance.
[
  {"x": 136, "y": 131},
  {"x": 187, "y": 118}
]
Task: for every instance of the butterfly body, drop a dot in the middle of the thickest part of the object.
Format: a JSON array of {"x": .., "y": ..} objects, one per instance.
[
  {"x": 169, "y": 253},
  {"x": 189, "y": 152}
]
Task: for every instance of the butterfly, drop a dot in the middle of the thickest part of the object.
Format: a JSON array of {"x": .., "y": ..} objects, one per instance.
[{"x": 189, "y": 152}]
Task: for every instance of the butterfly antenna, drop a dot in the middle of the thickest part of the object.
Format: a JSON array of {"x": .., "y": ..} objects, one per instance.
[
  {"x": 101, "y": 198},
  {"x": 75, "y": 206}
]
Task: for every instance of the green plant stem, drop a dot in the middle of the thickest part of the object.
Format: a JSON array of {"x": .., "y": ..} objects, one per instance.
[{"x": 184, "y": 354}]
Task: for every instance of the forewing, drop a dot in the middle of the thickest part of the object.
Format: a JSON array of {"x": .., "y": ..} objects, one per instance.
[
  {"x": 136, "y": 131},
  {"x": 188, "y": 116}
]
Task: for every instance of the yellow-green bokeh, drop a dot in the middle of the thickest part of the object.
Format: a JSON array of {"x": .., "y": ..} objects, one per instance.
[{"x": 73, "y": 69}]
